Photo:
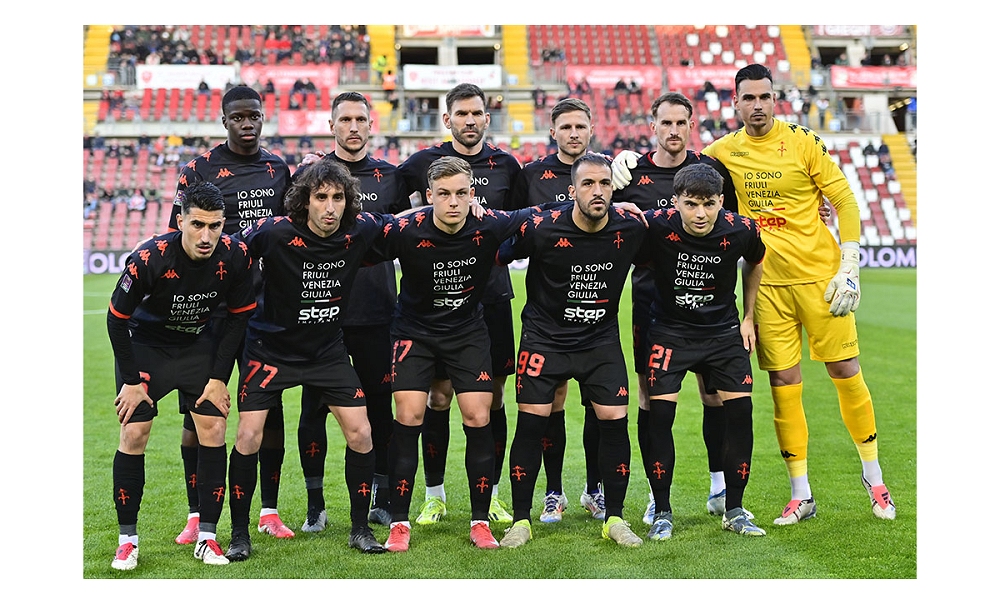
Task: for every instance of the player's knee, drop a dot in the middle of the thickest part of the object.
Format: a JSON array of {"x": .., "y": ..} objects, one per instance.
[
  {"x": 133, "y": 437},
  {"x": 211, "y": 431}
]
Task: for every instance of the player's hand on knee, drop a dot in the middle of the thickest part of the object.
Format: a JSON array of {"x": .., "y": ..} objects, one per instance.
[
  {"x": 129, "y": 399},
  {"x": 621, "y": 167},
  {"x": 844, "y": 291},
  {"x": 216, "y": 393}
]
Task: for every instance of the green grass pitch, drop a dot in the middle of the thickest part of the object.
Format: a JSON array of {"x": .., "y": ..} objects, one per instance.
[{"x": 844, "y": 541}]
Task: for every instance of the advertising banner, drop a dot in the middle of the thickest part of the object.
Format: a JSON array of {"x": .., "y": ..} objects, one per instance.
[
  {"x": 873, "y": 77},
  {"x": 454, "y": 31},
  {"x": 284, "y": 76},
  {"x": 313, "y": 123},
  {"x": 721, "y": 76},
  {"x": 606, "y": 76},
  {"x": 184, "y": 76},
  {"x": 857, "y": 31},
  {"x": 445, "y": 77}
]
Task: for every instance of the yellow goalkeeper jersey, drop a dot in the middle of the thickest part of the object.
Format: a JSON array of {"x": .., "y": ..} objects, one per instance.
[{"x": 780, "y": 180}]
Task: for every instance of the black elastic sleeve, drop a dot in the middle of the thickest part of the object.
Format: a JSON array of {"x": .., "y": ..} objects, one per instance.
[
  {"x": 233, "y": 330},
  {"x": 121, "y": 344}
]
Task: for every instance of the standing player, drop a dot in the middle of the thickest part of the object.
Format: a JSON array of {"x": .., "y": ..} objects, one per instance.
[
  {"x": 495, "y": 172},
  {"x": 579, "y": 257},
  {"x": 652, "y": 188},
  {"x": 771, "y": 160},
  {"x": 310, "y": 260},
  {"x": 546, "y": 181},
  {"x": 253, "y": 182},
  {"x": 694, "y": 249},
  {"x": 159, "y": 323},
  {"x": 445, "y": 255},
  {"x": 365, "y": 318}
]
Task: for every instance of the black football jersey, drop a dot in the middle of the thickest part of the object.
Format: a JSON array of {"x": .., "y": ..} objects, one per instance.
[
  {"x": 494, "y": 172},
  {"x": 168, "y": 298},
  {"x": 695, "y": 277},
  {"x": 542, "y": 181},
  {"x": 575, "y": 279},
  {"x": 307, "y": 283},
  {"x": 383, "y": 191},
  {"x": 253, "y": 185},
  {"x": 444, "y": 276}
]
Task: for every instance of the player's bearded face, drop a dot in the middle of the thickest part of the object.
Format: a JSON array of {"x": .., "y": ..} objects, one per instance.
[
  {"x": 200, "y": 232},
  {"x": 326, "y": 208},
  {"x": 451, "y": 197},
  {"x": 591, "y": 190},
  {"x": 672, "y": 127},
  {"x": 243, "y": 121},
  {"x": 572, "y": 131},
  {"x": 468, "y": 121},
  {"x": 755, "y": 103},
  {"x": 351, "y": 126}
]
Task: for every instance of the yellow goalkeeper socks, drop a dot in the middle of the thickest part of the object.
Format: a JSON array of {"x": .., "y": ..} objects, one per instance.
[{"x": 790, "y": 422}]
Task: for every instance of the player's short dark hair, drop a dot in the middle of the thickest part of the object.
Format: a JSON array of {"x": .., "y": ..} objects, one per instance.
[
  {"x": 240, "y": 93},
  {"x": 698, "y": 180},
  {"x": 310, "y": 178},
  {"x": 671, "y": 98},
  {"x": 569, "y": 104},
  {"x": 461, "y": 92},
  {"x": 349, "y": 97},
  {"x": 754, "y": 71},
  {"x": 588, "y": 158},
  {"x": 203, "y": 196},
  {"x": 443, "y": 167}
]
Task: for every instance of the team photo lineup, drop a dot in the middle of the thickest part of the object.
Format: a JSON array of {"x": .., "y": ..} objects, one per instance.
[{"x": 385, "y": 290}]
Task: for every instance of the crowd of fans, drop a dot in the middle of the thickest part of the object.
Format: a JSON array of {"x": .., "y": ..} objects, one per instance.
[{"x": 269, "y": 45}]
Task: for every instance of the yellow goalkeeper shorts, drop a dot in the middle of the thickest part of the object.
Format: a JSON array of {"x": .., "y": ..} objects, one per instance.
[{"x": 782, "y": 312}]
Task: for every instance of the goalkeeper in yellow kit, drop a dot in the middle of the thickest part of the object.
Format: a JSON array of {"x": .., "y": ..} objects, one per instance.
[{"x": 781, "y": 171}]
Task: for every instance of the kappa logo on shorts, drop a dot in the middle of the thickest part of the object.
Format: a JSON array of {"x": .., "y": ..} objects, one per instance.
[
  {"x": 623, "y": 391},
  {"x": 748, "y": 379},
  {"x": 483, "y": 377},
  {"x": 359, "y": 393}
]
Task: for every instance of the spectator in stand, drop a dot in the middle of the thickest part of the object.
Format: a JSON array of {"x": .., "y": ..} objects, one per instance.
[
  {"x": 634, "y": 88},
  {"x": 137, "y": 202},
  {"x": 822, "y": 104},
  {"x": 611, "y": 103},
  {"x": 388, "y": 83},
  {"x": 203, "y": 87}
]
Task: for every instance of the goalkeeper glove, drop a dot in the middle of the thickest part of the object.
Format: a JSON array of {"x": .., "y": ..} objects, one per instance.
[
  {"x": 844, "y": 291},
  {"x": 620, "y": 166}
]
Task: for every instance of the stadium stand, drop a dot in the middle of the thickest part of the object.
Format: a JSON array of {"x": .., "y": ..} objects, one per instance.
[{"x": 887, "y": 197}]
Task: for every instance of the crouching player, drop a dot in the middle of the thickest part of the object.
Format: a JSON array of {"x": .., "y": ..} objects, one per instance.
[{"x": 159, "y": 323}]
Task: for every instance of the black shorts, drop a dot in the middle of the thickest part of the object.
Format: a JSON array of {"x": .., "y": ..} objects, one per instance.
[
  {"x": 464, "y": 357},
  {"x": 600, "y": 373},
  {"x": 370, "y": 347},
  {"x": 500, "y": 325},
  {"x": 163, "y": 369},
  {"x": 722, "y": 361},
  {"x": 263, "y": 380}
]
